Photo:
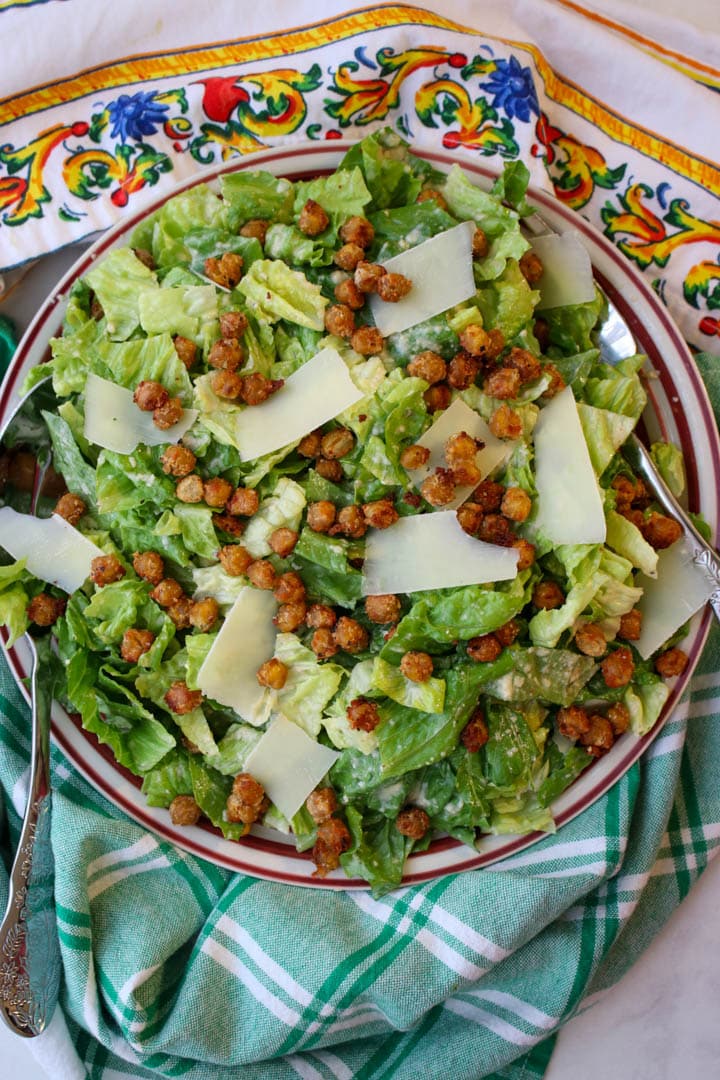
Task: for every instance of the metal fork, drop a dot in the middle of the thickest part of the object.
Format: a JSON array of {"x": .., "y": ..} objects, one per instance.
[
  {"x": 616, "y": 342},
  {"x": 29, "y": 947}
]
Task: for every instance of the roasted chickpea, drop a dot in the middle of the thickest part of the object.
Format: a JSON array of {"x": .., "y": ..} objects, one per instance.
[
  {"x": 417, "y": 666},
  {"x": 484, "y": 649},
  {"x": 573, "y": 721},
  {"x": 600, "y": 736},
  {"x": 45, "y": 610},
  {"x": 338, "y": 443},
  {"x": 309, "y": 445},
  {"x": 227, "y": 523},
  {"x": 463, "y": 370},
  {"x": 204, "y": 614},
  {"x": 527, "y": 366},
  {"x": 321, "y": 515},
  {"x": 179, "y": 613},
  {"x": 439, "y": 488},
  {"x": 225, "y": 271},
  {"x": 323, "y": 643},
  {"x": 412, "y": 822},
  {"x": 475, "y": 339},
  {"x": 167, "y": 592},
  {"x": 590, "y": 640},
  {"x": 367, "y": 275},
  {"x": 348, "y": 256},
  {"x": 150, "y": 395},
  {"x": 226, "y": 353},
  {"x": 384, "y": 608},
  {"x": 460, "y": 447},
  {"x": 70, "y": 507},
  {"x": 508, "y": 632},
  {"x": 502, "y": 383},
  {"x": 186, "y": 350},
  {"x": 178, "y": 461},
  {"x": 619, "y": 716},
  {"x": 475, "y": 733},
  {"x": 357, "y": 230},
  {"x": 437, "y": 397},
  {"x": 235, "y": 559},
  {"x": 531, "y": 267},
  {"x": 226, "y": 384},
  {"x": 333, "y": 838},
  {"x": 526, "y": 553},
  {"x": 671, "y": 663},
  {"x": 661, "y": 531},
  {"x": 489, "y": 495},
  {"x": 329, "y": 470},
  {"x": 282, "y": 541},
  {"x": 149, "y": 566},
  {"x": 135, "y": 643},
  {"x": 557, "y": 383},
  {"x": 313, "y": 220},
  {"x": 350, "y": 522},
  {"x": 516, "y": 504},
  {"x": 272, "y": 673},
  {"x": 428, "y": 365},
  {"x": 347, "y": 292},
  {"x": 367, "y": 340},
  {"x": 349, "y": 635},
  {"x": 181, "y": 700},
  {"x": 363, "y": 715},
  {"x": 216, "y": 492},
  {"x": 393, "y": 287},
  {"x": 548, "y": 595},
  {"x": 321, "y": 804},
  {"x": 290, "y": 616},
  {"x": 469, "y": 517},
  {"x": 106, "y": 569},
  {"x": 618, "y": 668},
  {"x": 255, "y": 229},
  {"x": 414, "y": 457},
  {"x": 256, "y": 388},
  {"x": 320, "y": 616},
  {"x": 261, "y": 574},
  {"x": 466, "y": 473},
  {"x": 480, "y": 244},
  {"x": 496, "y": 529},
  {"x": 233, "y": 324},
  {"x": 340, "y": 320},
  {"x": 247, "y": 801},
  {"x": 289, "y": 588},
  {"x": 190, "y": 489},
  {"x": 505, "y": 423},
  {"x": 184, "y": 810},
  {"x": 381, "y": 514},
  {"x": 431, "y": 195},
  {"x": 630, "y": 625},
  {"x": 243, "y": 501}
]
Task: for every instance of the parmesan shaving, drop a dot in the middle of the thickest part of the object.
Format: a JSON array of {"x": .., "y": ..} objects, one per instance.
[
  {"x": 680, "y": 589},
  {"x": 113, "y": 420},
  {"x": 53, "y": 550},
  {"x": 289, "y": 764},
  {"x": 567, "y": 272}
]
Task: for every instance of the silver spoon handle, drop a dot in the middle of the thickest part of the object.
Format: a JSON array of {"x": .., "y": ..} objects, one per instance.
[{"x": 29, "y": 948}]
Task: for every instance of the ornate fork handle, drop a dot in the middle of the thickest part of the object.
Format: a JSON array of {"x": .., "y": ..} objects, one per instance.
[{"x": 29, "y": 949}]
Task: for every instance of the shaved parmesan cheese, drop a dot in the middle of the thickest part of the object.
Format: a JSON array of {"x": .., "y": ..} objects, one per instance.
[
  {"x": 289, "y": 764},
  {"x": 311, "y": 396},
  {"x": 441, "y": 272},
  {"x": 460, "y": 417},
  {"x": 53, "y": 550},
  {"x": 113, "y": 420},
  {"x": 567, "y": 272},
  {"x": 245, "y": 641},
  {"x": 679, "y": 590},
  {"x": 570, "y": 507},
  {"x": 431, "y": 551}
]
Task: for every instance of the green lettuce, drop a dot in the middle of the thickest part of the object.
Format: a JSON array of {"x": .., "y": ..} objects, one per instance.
[
  {"x": 669, "y": 463},
  {"x": 234, "y": 749},
  {"x": 427, "y": 696},
  {"x": 250, "y": 194},
  {"x": 604, "y": 432},
  {"x": 183, "y": 310},
  {"x": 624, "y": 537},
  {"x": 555, "y": 676},
  {"x": 129, "y": 362},
  {"x": 281, "y": 509},
  {"x": 309, "y": 685},
  {"x": 118, "y": 281},
  {"x": 499, "y": 223},
  {"x": 508, "y": 302},
  {"x": 274, "y": 291},
  {"x": 618, "y": 388},
  {"x": 342, "y": 194},
  {"x": 393, "y": 176}
]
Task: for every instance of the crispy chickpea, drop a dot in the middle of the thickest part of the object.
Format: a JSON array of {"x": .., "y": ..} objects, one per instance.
[
  {"x": 233, "y": 324},
  {"x": 70, "y": 507},
  {"x": 624, "y": 492},
  {"x": 618, "y": 668},
  {"x": 348, "y": 256},
  {"x": 363, "y": 715},
  {"x": 338, "y": 443},
  {"x": 45, "y": 610},
  {"x": 671, "y": 663},
  {"x": 321, "y": 515},
  {"x": 417, "y": 666},
  {"x": 475, "y": 733},
  {"x": 145, "y": 257},
  {"x": 321, "y": 804},
  {"x": 350, "y": 522},
  {"x": 186, "y": 350},
  {"x": 309, "y": 445},
  {"x": 502, "y": 383},
  {"x": 178, "y": 461},
  {"x": 548, "y": 595},
  {"x": 367, "y": 340},
  {"x": 505, "y": 423},
  {"x": 469, "y": 517},
  {"x": 516, "y": 504},
  {"x": 169, "y": 414},
  {"x": 190, "y": 489},
  {"x": 347, "y": 292},
  {"x": 289, "y": 588},
  {"x": 661, "y": 531},
  {"x": 496, "y": 344},
  {"x": 229, "y": 524},
  {"x": 225, "y": 271},
  {"x": 381, "y": 514},
  {"x": 541, "y": 330},
  {"x": 466, "y": 473},
  {"x": 272, "y": 673},
  {"x": 323, "y": 643},
  {"x": 255, "y": 229},
  {"x": 340, "y": 320},
  {"x": 437, "y": 397},
  {"x": 149, "y": 566},
  {"x": 393, "y": 287},
  {"x": 290, "y": 616},
  {"x": 204, "y": 614},
  {"x": 463, "y": 370},
  {"x": 414, "y": 457},
  {"x": 475, "y": 339},
  {"x": 243, "y": 501},
  {"x": 460, "y": 447},
  {"x": 496, "y": 529},
  {"x": 261, "y": 574},
  {"x": 135, "y": 643},
  {"x": 247, "y": 801},
  {"x": 557, "y": 382},
  {"x": 531, "y": 267},
  {"x": 489, "y": 495},
  {"x": 484, "y": 649},
  {"x": 105, "y": 569},
  {"x": 333, "y": 838},
  {"x": 179, "y": 613},
  {"x": 167, "y": 592},
  {"x": 349, "y": 635},
  {"x": 367, "y": 275},
  {"x": 320, "y": 617},
  {"x": 480, "y": 244},
  {"x": 428, "y": 365},
  {"x": 184, "y": 810},
  {"x": 411, "y": 498},
  {"x": 226, "y": 353},
  {"x": 357, "y": 230},
  {"x": 256, "y": 388},
  {"x": 439, "y": 488},
  {"x": 282, "y": 541},
  {"x": 383, "y": 608},
  {"x": 329, "y": 470},
  {"x": 526, "y": 553},
  {"x": 412, "y": 822},
  {"x": 96, "y": 309},
  {"x": 619, "y": 716},
  {"x": 573, "y": 721},
  {"x": 590, "y": 640},
  {"x": 226, "y": 384},
  {"x": 431, "y": 195},
  {"x": 600, "y": 736},
  {"x": 216, "y": 492},
  {"x": 312, "y": 220},
  {"x": 181, "y": 700},
  {"x": 527, "y": 366},
  {"x": 150, "y": 395},
  {"x": 630, "y": 625},
  {"x": 508, "y": 632},
  {"x": 234, "y": 559}
]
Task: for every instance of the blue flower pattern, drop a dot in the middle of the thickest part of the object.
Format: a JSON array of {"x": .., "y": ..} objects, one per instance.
[
  {"x": 513, "y": 89},
  {"x": 135, "y": 116}
]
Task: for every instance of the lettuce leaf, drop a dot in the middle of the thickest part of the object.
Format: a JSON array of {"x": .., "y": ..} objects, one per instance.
[
  {"x": 118, "y": 280},
  {"x": 428, "y": 696},
  {"x": 274, "y": 291}
]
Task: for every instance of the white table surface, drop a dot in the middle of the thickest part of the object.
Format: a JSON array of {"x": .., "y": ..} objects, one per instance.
[{"x": 661, "y": 1020}]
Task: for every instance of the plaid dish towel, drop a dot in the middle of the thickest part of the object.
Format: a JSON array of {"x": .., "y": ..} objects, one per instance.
[{"x": 171, "y": 965}]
